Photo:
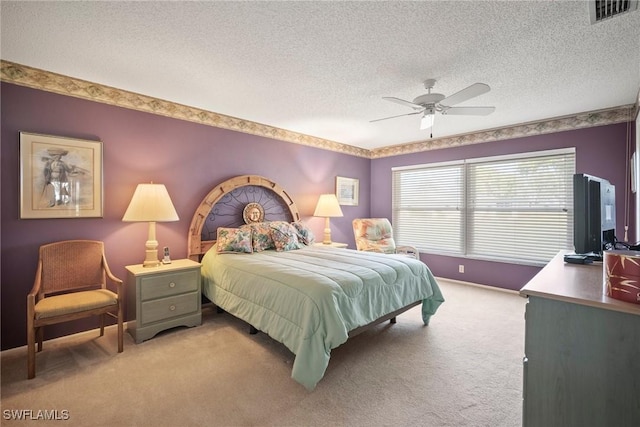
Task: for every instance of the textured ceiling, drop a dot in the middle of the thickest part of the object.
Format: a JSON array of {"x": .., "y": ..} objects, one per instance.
[{"x": 322, "y": 68}]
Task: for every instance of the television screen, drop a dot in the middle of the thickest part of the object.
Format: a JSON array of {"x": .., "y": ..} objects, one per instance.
[{"x": 594, "y": 214}]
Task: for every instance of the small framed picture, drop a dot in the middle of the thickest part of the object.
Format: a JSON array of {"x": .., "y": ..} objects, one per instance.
[
  {"x": 60, "y": 177},
  {"x": 347, "y": 191}
]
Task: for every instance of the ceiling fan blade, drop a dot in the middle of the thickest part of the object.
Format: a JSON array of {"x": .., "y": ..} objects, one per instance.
[
  {"x": 393, "y": 117},
  {"x": 403, "y": 102},
  {"x": 472, "y": 91},
  {"x": 468, "y": 111}
]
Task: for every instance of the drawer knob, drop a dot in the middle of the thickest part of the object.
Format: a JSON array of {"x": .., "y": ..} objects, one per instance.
[
  {"x": 172, "y": 307},
  {"x": 172, "y": 285}
]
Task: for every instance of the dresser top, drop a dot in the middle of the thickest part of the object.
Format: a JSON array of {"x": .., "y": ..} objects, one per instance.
[
  {"x": 575, "y": 283},
  {"x": 176, "y": 264}
]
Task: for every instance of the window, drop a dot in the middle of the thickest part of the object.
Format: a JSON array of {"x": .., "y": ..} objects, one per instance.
[{"x": 515, "y": 208}]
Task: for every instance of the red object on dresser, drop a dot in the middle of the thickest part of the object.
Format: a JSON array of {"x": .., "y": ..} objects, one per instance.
[{"x": 622, "y": 275}]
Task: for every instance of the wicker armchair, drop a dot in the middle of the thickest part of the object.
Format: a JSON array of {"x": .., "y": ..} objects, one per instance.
[
  {"x": 70, "y": 284},
  {"x": 376, "y": 235}
]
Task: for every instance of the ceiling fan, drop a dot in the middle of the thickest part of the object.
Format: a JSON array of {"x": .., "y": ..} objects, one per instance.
[{"x": 430, "y": 103}]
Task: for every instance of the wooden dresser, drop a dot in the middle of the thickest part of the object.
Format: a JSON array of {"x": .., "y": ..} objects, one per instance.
[{"x": 582, "y": 351}]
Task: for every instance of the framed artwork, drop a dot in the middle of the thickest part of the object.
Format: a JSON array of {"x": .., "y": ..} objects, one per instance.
[
  {"x": 60, "y": 177},
  {"x": 347, "y": 191}
]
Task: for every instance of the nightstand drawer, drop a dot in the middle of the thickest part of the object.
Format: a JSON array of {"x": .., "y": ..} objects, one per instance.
[
  {"x": 168, "y": 284},
  {"x": 166, "y": 308}
]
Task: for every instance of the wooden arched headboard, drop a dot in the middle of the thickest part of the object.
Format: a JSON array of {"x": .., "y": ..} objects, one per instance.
[{"x": 197, "y": 246}]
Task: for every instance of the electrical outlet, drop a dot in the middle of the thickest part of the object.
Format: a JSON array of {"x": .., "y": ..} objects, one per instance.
[{"x": 461, "y": 268}]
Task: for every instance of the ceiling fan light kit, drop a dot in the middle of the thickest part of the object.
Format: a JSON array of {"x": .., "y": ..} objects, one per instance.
[
  {"x": 427, "y": 119},
  {"x": 430, "y": 103}
]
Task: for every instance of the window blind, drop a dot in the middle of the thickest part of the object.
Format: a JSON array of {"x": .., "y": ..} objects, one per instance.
[
  {"x": 508, "y": 208},
  {"x": 520, "y": 208},
  {"x": 428, "y": 208}
]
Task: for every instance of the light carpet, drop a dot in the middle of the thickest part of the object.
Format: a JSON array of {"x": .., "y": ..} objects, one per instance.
[{"x": 464, "y": 369}]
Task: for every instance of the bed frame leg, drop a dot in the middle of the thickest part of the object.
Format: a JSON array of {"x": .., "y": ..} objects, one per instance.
[
  {"x": 392, "y": 320},
  {"x": 252, "y": 330}
]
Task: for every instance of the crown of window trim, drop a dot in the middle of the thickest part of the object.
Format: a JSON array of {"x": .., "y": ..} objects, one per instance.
[{"x": 23, "y": 75}]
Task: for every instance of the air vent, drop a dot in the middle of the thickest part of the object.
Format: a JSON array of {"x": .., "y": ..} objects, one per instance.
[{"x": 604, "y": 9}]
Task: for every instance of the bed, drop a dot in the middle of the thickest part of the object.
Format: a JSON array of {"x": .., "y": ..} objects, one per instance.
[{"x": 310, "y": 298}]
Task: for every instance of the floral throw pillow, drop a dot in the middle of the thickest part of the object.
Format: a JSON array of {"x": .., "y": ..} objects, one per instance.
[
  {"x": 305, "y": 235},
  {"x": 260, "y": 236},
  {"x": 233, "y": 240},
  {"x": 285, "y": 236}
]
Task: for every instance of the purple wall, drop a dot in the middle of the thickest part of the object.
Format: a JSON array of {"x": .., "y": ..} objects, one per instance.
[
  {"x": 190, "y": 159},
  {"x": 600, "y": 151},
  {"x": 139, "y": 147}
]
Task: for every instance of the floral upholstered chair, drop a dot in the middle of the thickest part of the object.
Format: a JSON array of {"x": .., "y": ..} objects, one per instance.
[{"x": 376, "y": 235}]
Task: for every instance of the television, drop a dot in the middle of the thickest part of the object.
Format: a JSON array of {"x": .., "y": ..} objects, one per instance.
[{"x": 594, "y": 214}]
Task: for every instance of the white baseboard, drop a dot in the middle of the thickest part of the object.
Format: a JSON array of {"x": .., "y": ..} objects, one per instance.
[{"x": 478, "y": 285}]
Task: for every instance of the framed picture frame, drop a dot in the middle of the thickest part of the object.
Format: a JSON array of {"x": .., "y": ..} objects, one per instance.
[
  {"x": 347, "y": 190},
  {"x": 60, "y": 177}
]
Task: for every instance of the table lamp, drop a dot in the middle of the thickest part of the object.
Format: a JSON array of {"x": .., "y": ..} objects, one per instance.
[
  {"x": 327, "y": 207},
  {"x": 151, "y": 203}
]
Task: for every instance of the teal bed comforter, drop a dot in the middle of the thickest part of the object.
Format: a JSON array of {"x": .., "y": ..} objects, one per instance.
[{"x": 309, "y": 299}]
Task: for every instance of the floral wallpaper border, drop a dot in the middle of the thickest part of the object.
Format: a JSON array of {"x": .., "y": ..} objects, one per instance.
[
  {"x": 578, "y": 121},
  {"x": 45, "y": 80},
  {"x": 51, "y": 82}
]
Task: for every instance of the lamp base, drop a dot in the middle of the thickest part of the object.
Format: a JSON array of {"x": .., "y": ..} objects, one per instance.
[
  {"x": 326, "y": 238},
  {"x": 151, "y": 259}
]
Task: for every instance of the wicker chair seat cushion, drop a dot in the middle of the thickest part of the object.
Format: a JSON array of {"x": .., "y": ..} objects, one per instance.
[{"x": 75, "y": 302}]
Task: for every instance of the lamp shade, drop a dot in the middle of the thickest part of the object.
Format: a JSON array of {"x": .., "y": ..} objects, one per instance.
[
  {"x": 328, "y": 206},
  {"x": 151, "y": 202}
]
